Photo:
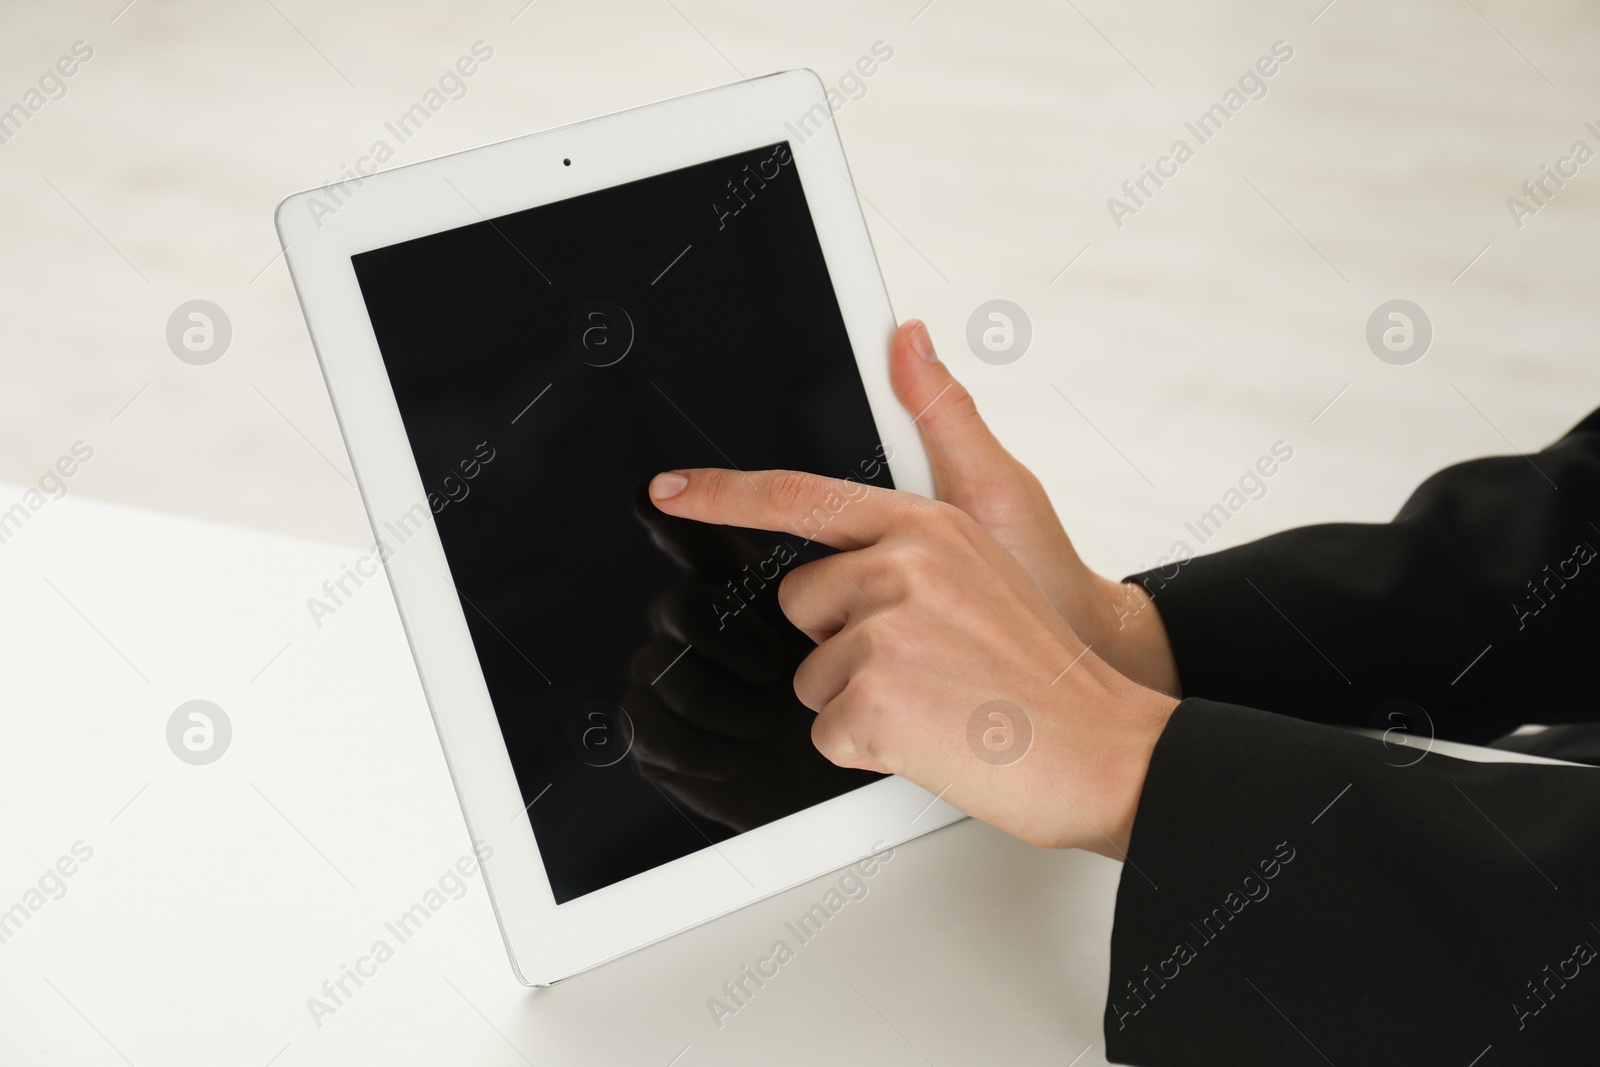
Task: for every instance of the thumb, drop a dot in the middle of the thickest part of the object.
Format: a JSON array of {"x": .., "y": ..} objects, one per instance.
[{"x": 964, "y": 454}]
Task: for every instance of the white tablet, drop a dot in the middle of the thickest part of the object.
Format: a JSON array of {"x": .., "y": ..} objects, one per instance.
[{"x": 515, "y": 339}]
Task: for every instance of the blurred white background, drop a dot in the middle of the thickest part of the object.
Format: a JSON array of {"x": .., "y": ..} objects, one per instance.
[
  {"x": 1217, "y": 320},
  {"x": 1224, "y": 316}
]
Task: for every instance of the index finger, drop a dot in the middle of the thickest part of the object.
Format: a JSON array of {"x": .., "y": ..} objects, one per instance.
[
  {"x": 701, "y": 551},
  {"x": 835, "y": 512}
]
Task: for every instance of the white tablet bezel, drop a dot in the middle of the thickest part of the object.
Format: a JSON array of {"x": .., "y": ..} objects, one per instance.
[{"x": 546, "y": 941}]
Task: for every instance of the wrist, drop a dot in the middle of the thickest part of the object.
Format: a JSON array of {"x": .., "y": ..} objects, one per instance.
[
  {"x": 1107, "y": 728},
  {"x": 1134, "y": 638},
  {"x": 1146, "y": 713}
]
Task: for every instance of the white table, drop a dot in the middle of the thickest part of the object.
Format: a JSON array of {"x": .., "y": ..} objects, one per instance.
[{"x": 219, "y": 898}]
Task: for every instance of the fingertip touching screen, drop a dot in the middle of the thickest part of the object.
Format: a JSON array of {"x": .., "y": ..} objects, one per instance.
[{"x": 546, "y": 364}]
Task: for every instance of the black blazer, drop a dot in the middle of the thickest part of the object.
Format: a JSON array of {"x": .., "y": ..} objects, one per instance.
[{"x": 1295, "y": 894}]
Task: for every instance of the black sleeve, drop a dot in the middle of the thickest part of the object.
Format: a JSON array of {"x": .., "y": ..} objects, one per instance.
[
  {"x": 1480, "y": 603},
  {"x": 1298, "y": 894}
]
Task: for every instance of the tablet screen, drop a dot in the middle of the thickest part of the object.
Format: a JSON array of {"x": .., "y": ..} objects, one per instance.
[{"x": 546, "y": 363}]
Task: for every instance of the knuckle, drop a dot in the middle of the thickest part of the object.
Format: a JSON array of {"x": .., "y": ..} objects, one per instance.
[
  {"x": 805, "y": 683},
  {"x": 891, "y": 587},
  {"x": 789, "y": 593},
  {"x": 1032, "y": 487},
  {"x": 947, "y": 518},
  {"x": 829, "y": 736},
  {"x": 918, "y": 561},
  {"x": 874, "y": 637},
  {"x": 720, "y": 491},
  {"x": 788, "y": 489},
  {"x": 870, "y": 751},
  {"x": 793, "y": 592},
  {"x": 869, "y": 694},
  {"x": 920, "y": 570},
  {"x": 862, "y": 713},
  {"x": 931, "y": 519},
  {"x": 954, "y": 405},
  {"x": 961, "y": 403},
  {"x": 955, "y": 535}
]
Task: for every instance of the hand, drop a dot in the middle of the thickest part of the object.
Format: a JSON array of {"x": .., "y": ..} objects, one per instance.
[
  {"x": 974, "y": 472},
  {"x": 921, "y": 620},
  {"x": 716, "y": 722}
]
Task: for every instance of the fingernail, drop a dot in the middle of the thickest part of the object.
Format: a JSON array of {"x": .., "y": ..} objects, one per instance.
[
  {"x": 923, "y": 344},
  {"x": 668, "y": 485}
]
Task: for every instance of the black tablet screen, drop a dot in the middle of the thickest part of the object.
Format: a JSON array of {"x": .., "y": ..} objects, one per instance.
[{"x": 546, "y": 364}]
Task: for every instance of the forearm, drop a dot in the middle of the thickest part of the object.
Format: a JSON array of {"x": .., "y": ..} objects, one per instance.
[
  {"x": 1479, "y": 602},
  {"x": 1297, "y": 894}
]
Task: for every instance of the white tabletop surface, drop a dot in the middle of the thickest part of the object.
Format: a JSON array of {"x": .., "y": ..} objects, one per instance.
[{"x": 220, "y": 897}]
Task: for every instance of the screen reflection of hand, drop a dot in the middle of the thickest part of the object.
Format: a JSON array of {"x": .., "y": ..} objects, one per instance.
[{"x": 718, "y": 727}]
